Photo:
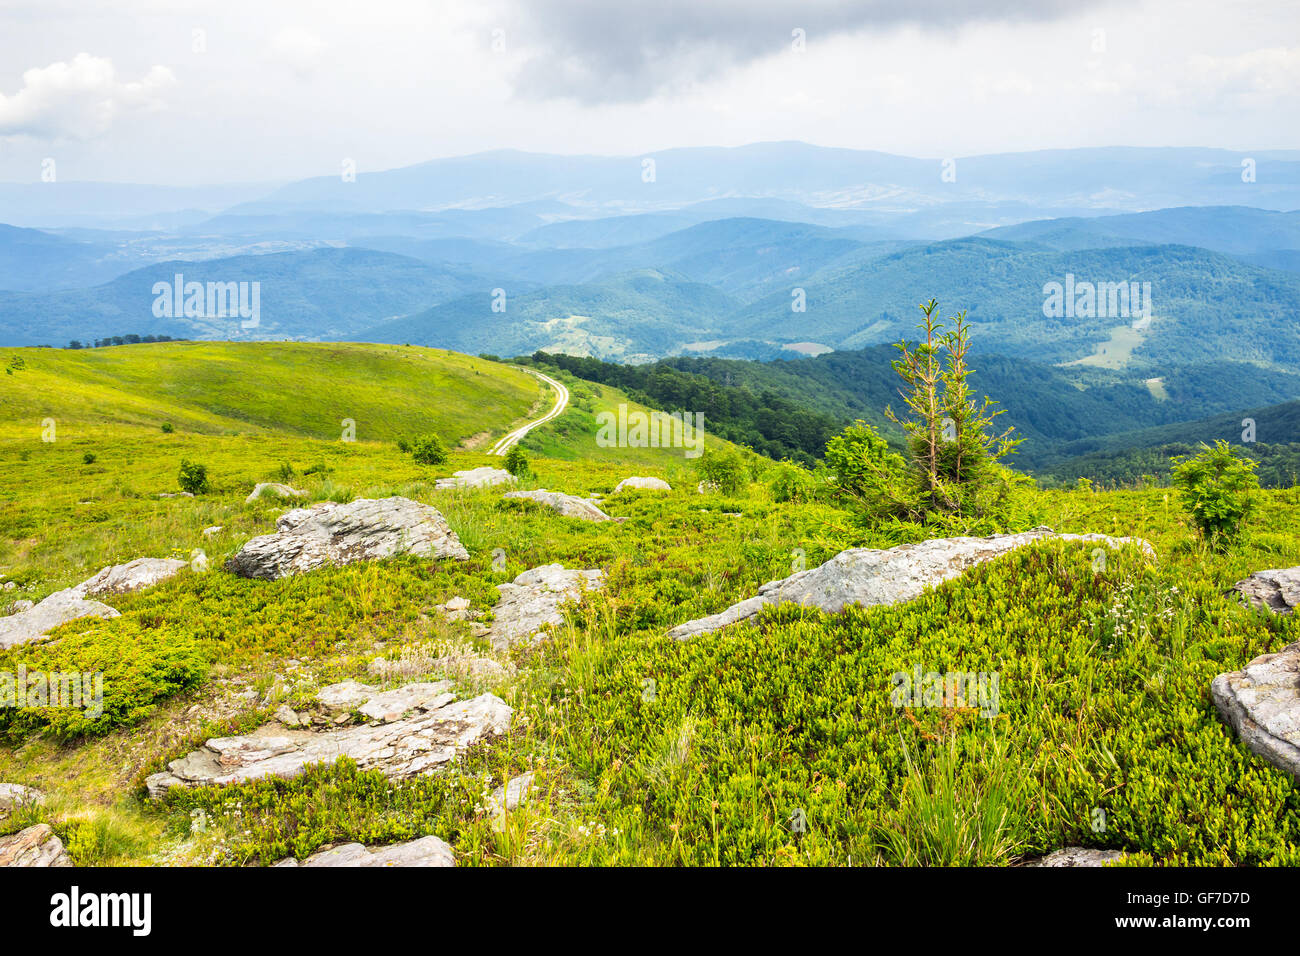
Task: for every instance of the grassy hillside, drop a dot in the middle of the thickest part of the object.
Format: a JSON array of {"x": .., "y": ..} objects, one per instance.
[
  {"x": 295, "y": 388},
  {"x": 648, "y": 751}
]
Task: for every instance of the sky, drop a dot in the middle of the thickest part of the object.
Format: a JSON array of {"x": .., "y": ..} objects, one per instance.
[{"x": 189, "y": 92}]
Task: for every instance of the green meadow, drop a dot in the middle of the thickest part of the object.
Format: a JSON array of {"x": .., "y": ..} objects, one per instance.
[{"x": 774, "y": 742}]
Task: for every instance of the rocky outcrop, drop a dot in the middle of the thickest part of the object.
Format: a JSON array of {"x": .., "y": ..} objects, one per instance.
[
  {"x": 35, "y": 846},
  {"x": 363, "y": 530},
  {"x": 475, "y": 478},
  {"x": 1262, "y": 704},
  {"x": 1077, "y": 856},
  {"x": 571, "y": 506},
  {"x": 132, "y": 576},
  {"x": 272, "y": 489},
  {"x": 77, "y": 602},
  {"x": 868, "y": 577},
  {"x": 531, "y": 603},
  {"x": 642, "y": 484},
  {"x": 1277, "y": 590},
  {"x": 15, "y": 795},
  {"x": 408, "y": 731},
  {"x": 426, "y": 851}
]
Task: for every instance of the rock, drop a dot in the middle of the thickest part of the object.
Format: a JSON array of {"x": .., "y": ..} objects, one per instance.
[
  {"x": 75, "y": 602},
  {"x": 287, "y": 716},
  {"x": 10, "y": 585},
  {"x": 532, "y": 602},
  {"x": 426, "y": 851},
  {"x": 1277, "y": 590},
  {"x": 644, "y": 484},
  {"x": 571, "y": 506},
  {"x": 344, "y": 696},
  {"x": 35, "y": 846},
  {"x": 364, "y": 530},
  {"x": 22, "y": 604},
  {"x": 132, "y": 576},
  {"x": 274, "y": 489},
  {"x": 457, "y": 604},
  {"x": 176, "y": 494},
  {"x": 1077, "y": 856},
  {"x": 391, "y": 705},
  {"x": 1262, "y": 704},
  {"x": 867, "y": 576},
  {"x": 515, "y": 792},
  {"x": 215, "y": 529},
  {"x": 421, "y": 743},
  {"x": 475, "y": 478},
  {"x": 15, "y": 795}
]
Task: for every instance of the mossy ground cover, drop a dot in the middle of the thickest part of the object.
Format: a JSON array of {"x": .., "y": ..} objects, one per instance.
[{"x": 774, "y": 742}]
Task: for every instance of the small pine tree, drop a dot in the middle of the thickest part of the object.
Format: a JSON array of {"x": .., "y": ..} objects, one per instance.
[
  {"x": 429, "y": 450},
  {"x": 517, "y": 461},
  {"x": 1215, "y": 487},
  {"x": 193, "y": 477}
]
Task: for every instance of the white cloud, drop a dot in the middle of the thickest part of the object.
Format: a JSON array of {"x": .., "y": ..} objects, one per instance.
[
  {"x": 298, "y": 49},
  {"x": 1260, "y": 74},
  {"x": 77, "y": 100}
]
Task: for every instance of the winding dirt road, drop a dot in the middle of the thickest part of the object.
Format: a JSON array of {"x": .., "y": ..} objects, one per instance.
[{"x": 561, "y": 403}]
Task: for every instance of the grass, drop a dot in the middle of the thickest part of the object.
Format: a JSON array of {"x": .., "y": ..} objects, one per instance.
[{"x": 771, "y": 743}]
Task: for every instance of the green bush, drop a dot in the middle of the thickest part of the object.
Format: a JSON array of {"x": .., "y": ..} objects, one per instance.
[
  {"x": 428, "y": 450},
  {"x": 516, "y": 461},
  {"x": 1215, "y": 487},
  {"x": 789, "y": 482},
  {"x": 88, "y": 458},
  {"x": 193, "y": 477},
  {"x": 723, "y": 469},
  {"x": 875, "y": 479},
  {"x": 167, "y": 428}
]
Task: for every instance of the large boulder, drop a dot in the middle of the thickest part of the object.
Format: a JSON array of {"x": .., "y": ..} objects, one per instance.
[
  {"x": 532, "y": 602},
  {"x": 475, "y": 478},
  {"x": 867, "y": 576},
  {"x": 35, "y": 846},
  {"x": 363, "y": 530},
  {"x": 1277, "y": 590},
  {"x": 643, "y": 484},
  {"x": 411, "y": 730},
  {"x": 272, "y": 489},
  {"x": 426, "y": 851},
  {"x": 571, "y": 506},
  {"x": 77, "y": 602},
  {"x": 15, "y": 795},
  {"x": 1262, "y": 704}
]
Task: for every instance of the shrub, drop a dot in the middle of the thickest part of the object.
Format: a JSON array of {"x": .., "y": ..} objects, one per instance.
[
  {"x": 167, "y": 428},
  {"x": 516, "y": 461},
  {"x": 428, "y": 450},
  {"x": 724, "y": 469},
  {"x": 285, "y": 472},
  {"x": 868, "y": 472},
  {"x": 1215, "y": 487},
  {"x": 88, "y": 458},
  {"x": 791, "y": 483},
  {"x": 403, "y": 445},
  {"x": 193, "y": 477}
]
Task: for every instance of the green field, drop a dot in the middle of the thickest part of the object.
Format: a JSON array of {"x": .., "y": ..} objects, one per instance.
[{"x": 771, "y": 743}]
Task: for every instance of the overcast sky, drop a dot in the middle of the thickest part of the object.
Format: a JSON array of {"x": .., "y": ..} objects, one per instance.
[{"x": 195, "y": 91}]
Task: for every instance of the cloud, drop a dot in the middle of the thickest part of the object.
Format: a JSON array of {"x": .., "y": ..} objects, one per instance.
[
  {"x": 77, "y": 100},
  {"x": 596, "y": 51},
  {"x": 298, "y": 49},
  {"x": 1260, "y": 75}
]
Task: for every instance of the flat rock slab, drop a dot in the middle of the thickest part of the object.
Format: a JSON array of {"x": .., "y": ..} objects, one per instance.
[
  {"x": 867, "y": 576},
  {"x": 1277, "y": 590},
  {"x": 77, "y": 602},
  {"x": 1077, "y": 856},
  {"x": 35, "y": 846},
  {"x": 426, "y": 851},
  {"x": 532, "y": 602},
  {"x": 571, "y": 506},
  {"x": 272, "y": 489},
  {"x": 1262, "y": 704},
  {"x": 400, "y": 748},
  {"x": 331, "y": 534},
  {"x": 642, "y": 484},
  {"x": 475, "y": 478}
]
